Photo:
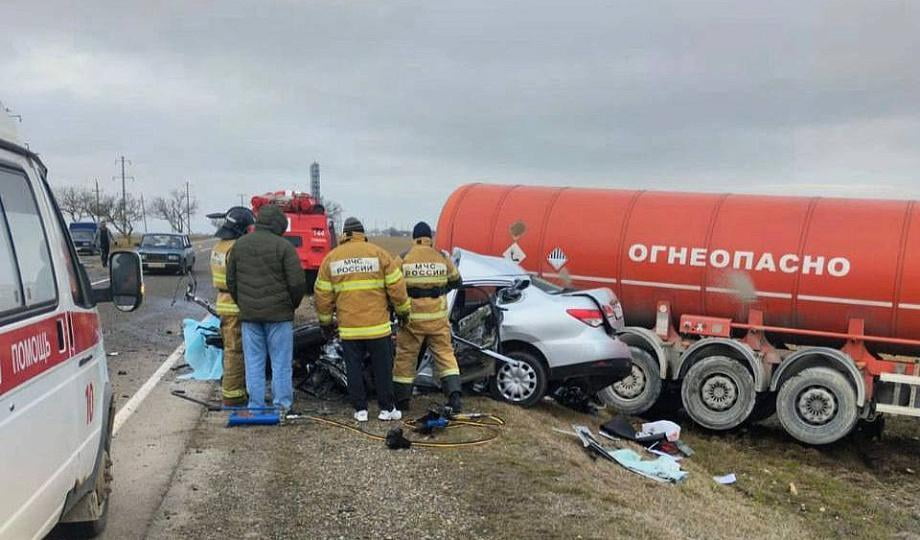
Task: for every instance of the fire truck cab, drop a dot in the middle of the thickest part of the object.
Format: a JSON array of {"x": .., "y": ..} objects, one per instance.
[
  {"x": 56, "y": 405},
  {"x": 309, "y": 229}
]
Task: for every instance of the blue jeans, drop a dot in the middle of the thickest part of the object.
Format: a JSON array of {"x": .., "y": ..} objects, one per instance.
[{"x": 275, "y": 340}]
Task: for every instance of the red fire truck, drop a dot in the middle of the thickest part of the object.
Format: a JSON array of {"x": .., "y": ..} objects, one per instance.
[{"x": 309, "y": 229}]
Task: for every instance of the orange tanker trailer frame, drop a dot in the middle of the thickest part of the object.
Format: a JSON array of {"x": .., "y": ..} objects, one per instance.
[{"x": 746, "y": 305}]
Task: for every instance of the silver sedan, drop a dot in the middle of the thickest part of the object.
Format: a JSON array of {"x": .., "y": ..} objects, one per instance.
[{"x": 559, "y": 337}]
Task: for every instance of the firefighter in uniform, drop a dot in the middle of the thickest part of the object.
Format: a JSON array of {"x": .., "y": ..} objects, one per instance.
[
  {"x": 429, "y": 275},
  {"x": 358, "y": 281},
  {"x": 236, "y": 223}
]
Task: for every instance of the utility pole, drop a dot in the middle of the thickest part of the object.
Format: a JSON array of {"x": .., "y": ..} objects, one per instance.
[
  {"x": 144, "y": 212},
  {"x": 241, "y": 199},
  {"x": 188, "y": 209},
  {"x": 124, "y": 197},
  {"x": 97, "y": 208},
  {"x": 124, "y": 194}
]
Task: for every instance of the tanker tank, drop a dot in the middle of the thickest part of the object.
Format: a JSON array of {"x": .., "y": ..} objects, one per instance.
[{"x": 806, "y": 263}]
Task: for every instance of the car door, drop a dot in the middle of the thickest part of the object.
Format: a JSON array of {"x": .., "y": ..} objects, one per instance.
[{"x": 50, "y": 385}]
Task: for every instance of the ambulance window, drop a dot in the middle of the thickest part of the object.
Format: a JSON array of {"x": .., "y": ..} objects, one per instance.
[
  {"x": 10, "y": 290},
  {"x": 30, "y": 245}
]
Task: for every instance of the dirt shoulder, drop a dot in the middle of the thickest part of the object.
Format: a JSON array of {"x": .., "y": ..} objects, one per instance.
[{"x": 314, "y": 481}]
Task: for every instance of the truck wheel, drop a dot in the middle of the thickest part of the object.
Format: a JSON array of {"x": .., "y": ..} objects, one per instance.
[
  {"x": 523, "y": 383},
  {"x": 718, "y": 393},
  {"x": 639, "y": 391},
  {"x": 817, "y": 406}
]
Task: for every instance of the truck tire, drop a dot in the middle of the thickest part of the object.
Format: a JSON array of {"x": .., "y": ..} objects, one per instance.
[
  {"x": 817, "y": 406},
  {"x": 718, "y": 393},
  {"x": 639, "y": 391}
]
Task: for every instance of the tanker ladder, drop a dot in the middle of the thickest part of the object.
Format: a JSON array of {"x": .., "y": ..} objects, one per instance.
[{"x": 899, "y": 393}]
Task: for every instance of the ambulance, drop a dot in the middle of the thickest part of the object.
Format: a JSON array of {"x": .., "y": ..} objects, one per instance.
[{"x": 56, "y": 405}]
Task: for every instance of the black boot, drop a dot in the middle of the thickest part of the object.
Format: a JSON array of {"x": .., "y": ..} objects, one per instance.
[
  {"x": 403, "y": 394},
  {"x": 451, "y": 385},
  {"x": 454, "y": 402}
]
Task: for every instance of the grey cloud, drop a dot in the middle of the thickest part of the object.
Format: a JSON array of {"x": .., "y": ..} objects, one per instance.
[{"x": 402, "y": 101}]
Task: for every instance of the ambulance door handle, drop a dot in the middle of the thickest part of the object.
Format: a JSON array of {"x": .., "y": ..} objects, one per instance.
[
  {"x": 84, "y": 360},
  {"x": 61, "y": 335}
]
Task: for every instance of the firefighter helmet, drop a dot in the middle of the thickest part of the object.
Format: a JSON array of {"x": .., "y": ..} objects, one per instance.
[{"x": 237, "y": 221}]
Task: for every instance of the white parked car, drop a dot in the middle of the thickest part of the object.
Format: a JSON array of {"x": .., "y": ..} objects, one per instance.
[
  {"x": 56, "y": 406},
  {"x": 558, "y": 336}
]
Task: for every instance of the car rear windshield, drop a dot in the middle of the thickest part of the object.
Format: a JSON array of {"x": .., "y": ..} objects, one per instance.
[
  {"x": 161, "y": 241},
  {"x": 82, "y": 235}
]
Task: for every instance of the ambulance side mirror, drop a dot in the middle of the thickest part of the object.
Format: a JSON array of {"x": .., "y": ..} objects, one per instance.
[{"x": 126, "y": 282}]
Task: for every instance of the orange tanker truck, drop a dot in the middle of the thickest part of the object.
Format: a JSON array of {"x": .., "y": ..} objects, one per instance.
[
  {"x": 309, "y": 229},
  {"x": 744, "y": 304}
]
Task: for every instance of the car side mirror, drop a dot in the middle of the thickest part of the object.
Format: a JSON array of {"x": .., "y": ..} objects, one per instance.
[{"x": 126, "y": 282}]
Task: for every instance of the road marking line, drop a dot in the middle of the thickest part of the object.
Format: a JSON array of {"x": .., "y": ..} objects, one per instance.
[{"x": 131, "y": 406}]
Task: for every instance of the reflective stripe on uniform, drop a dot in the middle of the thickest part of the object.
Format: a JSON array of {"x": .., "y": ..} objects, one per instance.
[
  {"x": 233, "y": 394},
  {"x": 415, "y": 316},
  {"x": 404, "y": 380},
  {"x": 393, "y": 277},
  {"x": 449, "y": 372},
  {"x": 219, "y": 280},
  {"x": 404, "y": 307},
  {"x": 365, "y": 331},
  {"x": 227, "y": 308},
  {"x": 426, "y": 281},
  {"x": 324, "y": 318},
  {"x": 322, "y": 285},
  {"x": 358, "y": 285}
]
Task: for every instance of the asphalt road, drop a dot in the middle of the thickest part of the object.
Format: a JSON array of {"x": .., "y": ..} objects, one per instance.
[{"x": 151, "y": 438}]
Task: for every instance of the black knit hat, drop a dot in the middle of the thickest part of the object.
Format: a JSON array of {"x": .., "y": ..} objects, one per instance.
[
  {"x": 421, "y": 230},
  {"x": 352, "y": 225}
]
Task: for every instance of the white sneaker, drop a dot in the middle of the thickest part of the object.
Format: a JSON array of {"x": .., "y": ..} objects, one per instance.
[
  {"x": 361, "y": 416},
  {"x": 386, "y": 416}
]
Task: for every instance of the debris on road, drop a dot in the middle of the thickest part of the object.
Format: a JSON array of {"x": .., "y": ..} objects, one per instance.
[
  {"x": 669, "y": 429},
  {"x": 726, "y": 479},
  {"x": 206, "y": 361},
  {"x": 663, "y": 469},
  {"x": 794, "y": 491},
  {"x": 396, "y": 440}
]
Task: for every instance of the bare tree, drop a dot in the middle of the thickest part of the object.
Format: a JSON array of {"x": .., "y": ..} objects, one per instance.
[
  {"x": 73, "y": 201},
  {"x": 174, "y": 209},
  {"x": 121, "y": 218},
  {"x": 333, "y": 211}
]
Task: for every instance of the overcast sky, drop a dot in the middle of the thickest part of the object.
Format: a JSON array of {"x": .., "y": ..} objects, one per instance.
[{"x": 402, "y": 102}]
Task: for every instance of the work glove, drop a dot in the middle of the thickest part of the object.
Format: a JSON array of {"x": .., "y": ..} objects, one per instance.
[
  {"x": 403, "y": 319},
  {"x": 328, "y": 331}
]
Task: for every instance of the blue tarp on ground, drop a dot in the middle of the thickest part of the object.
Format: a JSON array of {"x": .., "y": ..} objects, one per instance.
[
  {"x": 206, "y": 362},
  {"x": 663, "y": 469}
]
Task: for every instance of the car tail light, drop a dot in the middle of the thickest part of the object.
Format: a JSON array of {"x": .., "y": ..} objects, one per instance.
[{"x": 591, "y": 317}]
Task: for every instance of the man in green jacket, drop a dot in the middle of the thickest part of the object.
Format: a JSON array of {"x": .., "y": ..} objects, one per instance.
[{"x": 266, "y": 281}]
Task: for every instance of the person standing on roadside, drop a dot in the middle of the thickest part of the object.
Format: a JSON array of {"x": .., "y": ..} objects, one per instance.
[
  {"x": 266, "y": 281},
  {"x": 234, "y": 224},
  {"x": 429, "y": 275},
  {"x": 358, "y": 281},
  {"x": 105, "y": 243}
]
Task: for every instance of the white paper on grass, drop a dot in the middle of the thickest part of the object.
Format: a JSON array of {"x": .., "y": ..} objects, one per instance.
[{"x": 670, "y": 430}]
